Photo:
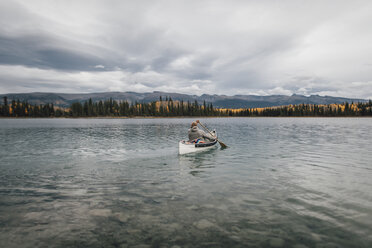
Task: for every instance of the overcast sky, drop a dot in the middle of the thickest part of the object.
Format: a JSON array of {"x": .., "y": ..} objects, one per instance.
[{"x": 216, "y": 47}]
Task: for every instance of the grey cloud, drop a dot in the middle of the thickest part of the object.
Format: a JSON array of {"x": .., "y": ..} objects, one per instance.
[
  {"x": 165, "y": 57},
  {"x": 199, "y": 67},
  {"x": 237, "y": 47},
  {"x": 35, "y": 51},
  {"x": 46, "y": 52},
  {"x": 66, "y": 60}
]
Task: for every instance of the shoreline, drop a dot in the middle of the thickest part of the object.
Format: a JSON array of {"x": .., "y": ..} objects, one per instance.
[{"x": 179, "y": 117}]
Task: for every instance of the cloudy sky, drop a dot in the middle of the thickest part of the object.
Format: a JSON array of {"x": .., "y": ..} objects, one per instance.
[{"x": 219, "y": 47}]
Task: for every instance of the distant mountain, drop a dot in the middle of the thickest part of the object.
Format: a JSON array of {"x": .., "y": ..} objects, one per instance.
[{"x": 221, "y": 101}]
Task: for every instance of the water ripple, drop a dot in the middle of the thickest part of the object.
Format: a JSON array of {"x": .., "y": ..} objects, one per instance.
[{"x": 283, "y": 182}]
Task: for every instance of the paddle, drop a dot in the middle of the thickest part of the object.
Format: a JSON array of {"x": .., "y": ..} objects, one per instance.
[{"x": 221, "y": 143}]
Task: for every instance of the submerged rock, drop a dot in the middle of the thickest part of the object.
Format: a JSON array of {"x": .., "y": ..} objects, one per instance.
[
  {"x": 235, "y": 229},
  {"x": 122, "y": 217},
  {"x": 203, "y": 224},
  {"x": 142, "y": 246},
  {"x": 192, "y": 207},
  {"x": 299, "y": 246},
  {"x": 100, "y": 212},
  {"x": 174, "y": 226},
  {"x": 276, "y": 242},
  {"x": 33, "y": 215},
  {"x": 235, "y": 238}
]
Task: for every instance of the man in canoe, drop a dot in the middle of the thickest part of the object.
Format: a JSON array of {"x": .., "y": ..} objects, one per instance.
[{"x": 198, "y": 135}]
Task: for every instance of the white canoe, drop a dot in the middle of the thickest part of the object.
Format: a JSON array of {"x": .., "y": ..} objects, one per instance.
[{"x": 185, "y": 147}]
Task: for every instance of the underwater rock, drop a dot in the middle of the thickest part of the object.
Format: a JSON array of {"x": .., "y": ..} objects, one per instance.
[
  {"x": 300, "y": 246},
  {"x": 100, "y": 212},
  {"x": 33, "y": 215},
  {"x": 192, "y": 207},
  {"x": 235, "y": 229},
  {"x": 203, "y": 224},
  {"x": 276, "y": 242},
  {"x": 122, "y": 217}
]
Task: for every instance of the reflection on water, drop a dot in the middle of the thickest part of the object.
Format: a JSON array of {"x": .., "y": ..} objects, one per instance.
[
  {"x": 199, "y": 161},
  {"x": 301, "y": 182}
]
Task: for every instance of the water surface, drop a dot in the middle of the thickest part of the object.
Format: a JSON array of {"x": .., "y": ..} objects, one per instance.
[{"x": 283, "y": 182}]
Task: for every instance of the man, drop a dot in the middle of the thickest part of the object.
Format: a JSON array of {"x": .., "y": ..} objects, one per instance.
[{"x": 195, "y": 133}]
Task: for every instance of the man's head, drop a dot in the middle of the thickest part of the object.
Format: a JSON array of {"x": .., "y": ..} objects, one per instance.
[{"x": 194, "y": 124}]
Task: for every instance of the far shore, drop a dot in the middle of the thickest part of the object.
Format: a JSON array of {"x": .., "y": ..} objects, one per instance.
[{"x": 180, "y": 117}]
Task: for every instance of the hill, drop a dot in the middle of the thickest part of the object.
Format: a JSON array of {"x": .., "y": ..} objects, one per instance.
[{"x": 220, "y": 101}]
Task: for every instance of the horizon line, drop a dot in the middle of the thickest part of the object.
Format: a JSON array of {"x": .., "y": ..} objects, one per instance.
[{"x": 156, "y": 91}]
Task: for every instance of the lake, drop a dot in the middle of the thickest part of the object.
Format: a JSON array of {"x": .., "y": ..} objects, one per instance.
[{"x": 283, "y": 182}]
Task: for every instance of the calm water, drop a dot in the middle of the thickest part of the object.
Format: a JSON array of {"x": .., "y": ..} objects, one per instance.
[{"x": 291, "y": 182}]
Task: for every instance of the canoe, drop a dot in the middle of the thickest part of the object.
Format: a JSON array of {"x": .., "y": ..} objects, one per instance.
[{"x": 185, "y": 147}]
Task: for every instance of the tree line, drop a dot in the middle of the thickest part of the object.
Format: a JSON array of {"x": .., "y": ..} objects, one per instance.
[
  {"x": 168, "y": 108},
  {"x": 307, "y": 110}
]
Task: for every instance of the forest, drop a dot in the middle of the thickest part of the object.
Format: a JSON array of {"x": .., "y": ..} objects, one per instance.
[{"x": 169, "y": 108}]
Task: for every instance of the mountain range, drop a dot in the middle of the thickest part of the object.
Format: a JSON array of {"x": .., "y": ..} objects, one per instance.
[{"x": 220, "y": 101}]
